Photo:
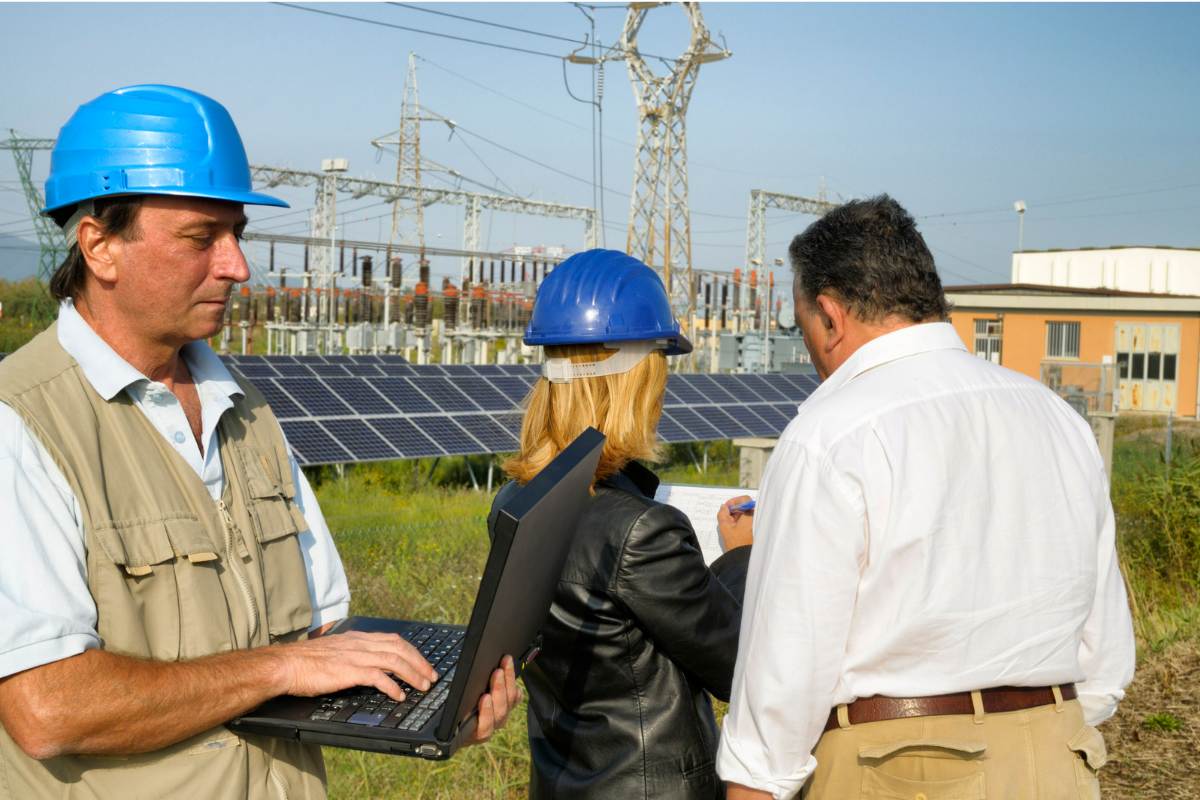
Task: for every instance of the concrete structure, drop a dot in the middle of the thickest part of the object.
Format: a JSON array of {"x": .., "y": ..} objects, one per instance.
[
  {"x": 1161, "y": 270},
  {"x": 1152, "y": 339}
]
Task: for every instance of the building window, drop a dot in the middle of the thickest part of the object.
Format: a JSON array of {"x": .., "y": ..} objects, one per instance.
[
  {"x": 1062, "y": 340},
  {"x": 988, "y": 333}
]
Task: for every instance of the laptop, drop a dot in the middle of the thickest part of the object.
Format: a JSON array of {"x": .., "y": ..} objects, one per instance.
[{"x": 531, "y": 535}]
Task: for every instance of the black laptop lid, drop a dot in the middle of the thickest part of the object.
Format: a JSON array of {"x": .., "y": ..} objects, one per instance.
[{"x": 531, "y": 536}]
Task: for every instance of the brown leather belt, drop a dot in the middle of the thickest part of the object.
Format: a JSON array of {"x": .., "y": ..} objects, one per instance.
[{"x": 999, "y": 699}]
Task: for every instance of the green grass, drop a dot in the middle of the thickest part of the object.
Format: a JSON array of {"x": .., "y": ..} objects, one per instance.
[
  {"x": 412, "y": 537},
  {"x": 1163, "y": 722},
  {"x": 415, "y": 550}
]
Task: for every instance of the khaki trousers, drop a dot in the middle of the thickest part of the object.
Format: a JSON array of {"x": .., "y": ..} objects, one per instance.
[{"x": 1043, "y": 753}]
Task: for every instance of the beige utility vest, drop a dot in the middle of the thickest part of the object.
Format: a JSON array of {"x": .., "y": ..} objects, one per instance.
[{"x": 173, "y": 574}]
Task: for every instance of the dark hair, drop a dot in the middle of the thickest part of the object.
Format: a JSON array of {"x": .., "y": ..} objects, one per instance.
[
  {"x": 869, "y": 254},
  {"x": 118, "y": 215}
]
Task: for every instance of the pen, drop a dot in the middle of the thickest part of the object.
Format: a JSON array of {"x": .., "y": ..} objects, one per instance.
[{"x": 743, "y": 508}]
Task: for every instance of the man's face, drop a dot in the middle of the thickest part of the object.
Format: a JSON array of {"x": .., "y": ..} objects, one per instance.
[
  {"x": 175, "y": 278},
  {"x": 812, "y": 328}
]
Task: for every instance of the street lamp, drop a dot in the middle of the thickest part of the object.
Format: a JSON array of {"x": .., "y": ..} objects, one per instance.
[{"x": 1019, "y": 207}]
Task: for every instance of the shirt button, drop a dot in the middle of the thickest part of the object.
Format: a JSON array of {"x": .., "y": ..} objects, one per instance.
[
  {"x": 920, "y": 796},
  {"x": 178, "y": 437}
]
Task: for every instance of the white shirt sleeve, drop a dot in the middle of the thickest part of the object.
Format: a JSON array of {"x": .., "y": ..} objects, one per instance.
[
  {"x": 328, "y": 590},
  {"x": 1107, "y": 651},
  {"x": 809, "y": 544},
  {"x": 46, "y": 609}
]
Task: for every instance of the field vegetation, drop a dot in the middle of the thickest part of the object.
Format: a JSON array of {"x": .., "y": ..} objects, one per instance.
[
  {"x": 413, "y": 541},
  {"x": 412, "y": 537}
]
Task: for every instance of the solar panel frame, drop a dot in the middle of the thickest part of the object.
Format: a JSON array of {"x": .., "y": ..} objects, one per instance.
[
  {"x": 312, "y": 444},
  {"x": 728, "y": 427},
  {"x": 448, "y": 435},
  {"x": 445, "y": 395},
  {"x": 314, "y": 397},
  {"x": 404, "y": 395},
  {"x": 488, "y": 432},
  {"x": 483, "y": 393},
  {"x": 405, "y": 437},
  {"x": 281, "y": 403},
  {"x": 359, "y": 439},
  {"x": 360, "y": 395},
  {"x": 694, "y": 424}
]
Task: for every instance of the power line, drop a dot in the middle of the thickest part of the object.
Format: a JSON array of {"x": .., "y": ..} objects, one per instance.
[
  {"x": 516, "y": 29},
  {"x": 438, "y": 34}
]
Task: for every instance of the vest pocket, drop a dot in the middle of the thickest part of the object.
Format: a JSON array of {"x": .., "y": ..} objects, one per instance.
[
  {"x": 163, "y": 599},
  {"x": 277, "y": 524}
]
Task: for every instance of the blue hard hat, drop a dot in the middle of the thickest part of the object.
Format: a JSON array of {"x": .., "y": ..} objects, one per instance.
[
  {"x": 150, "y": 139},
  {"x": 600, "y": 296}
]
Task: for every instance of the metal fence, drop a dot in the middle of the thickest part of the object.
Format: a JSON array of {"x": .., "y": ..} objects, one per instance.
[{"x": 1087, "y": 388}]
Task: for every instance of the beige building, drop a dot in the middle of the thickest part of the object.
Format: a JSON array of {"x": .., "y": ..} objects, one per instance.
[{"x": 1141, "y": 348}]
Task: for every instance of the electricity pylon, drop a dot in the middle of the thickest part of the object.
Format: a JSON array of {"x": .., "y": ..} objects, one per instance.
[
  {"x": 660, "y": 232},
  {"x": 50, "y": 237}
]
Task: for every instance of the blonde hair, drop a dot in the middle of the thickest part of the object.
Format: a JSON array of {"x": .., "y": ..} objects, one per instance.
[{"x": 624, "y": 407}]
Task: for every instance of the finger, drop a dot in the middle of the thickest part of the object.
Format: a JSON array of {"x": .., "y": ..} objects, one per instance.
[
  {"x": 499, "y": 698},
  {"x": 510, "y": 682},
  {"x": 381, "y": 681},
  {"x": 483, "y": 731}
]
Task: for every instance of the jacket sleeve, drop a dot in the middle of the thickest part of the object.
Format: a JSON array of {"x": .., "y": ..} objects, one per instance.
[{"x": 688, "y": 611}]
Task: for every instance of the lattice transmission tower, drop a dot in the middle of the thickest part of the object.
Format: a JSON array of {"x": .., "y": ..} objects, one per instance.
[
  {"x": 50, "y": 237},
  {"x": 660, "y": 231}
]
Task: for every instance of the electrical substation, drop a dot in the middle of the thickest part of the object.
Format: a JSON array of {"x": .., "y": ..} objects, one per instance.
[{"x": 322, "y": 294}]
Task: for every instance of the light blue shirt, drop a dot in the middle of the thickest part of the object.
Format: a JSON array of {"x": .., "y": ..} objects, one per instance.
[{"x": 46, "y": 610}]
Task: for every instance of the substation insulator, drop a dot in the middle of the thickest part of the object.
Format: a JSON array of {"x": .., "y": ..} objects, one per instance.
[
  {"x": 366, "y": 272},
  {"x": 478, "y": 298},
  {"x": 450, "y": 307},
  {"x": 409, "y": 308},
  {"x": 421, "y": 306},
  {"x": 395, "y": 270}
]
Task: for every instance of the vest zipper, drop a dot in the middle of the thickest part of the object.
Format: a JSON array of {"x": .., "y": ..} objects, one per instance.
[{"x": 230, "y": 528}]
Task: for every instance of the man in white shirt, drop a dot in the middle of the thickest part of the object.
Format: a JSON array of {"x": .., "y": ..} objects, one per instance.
[
  {"x": 934, "y": 606},
  {"x": 164, "y": 559}
]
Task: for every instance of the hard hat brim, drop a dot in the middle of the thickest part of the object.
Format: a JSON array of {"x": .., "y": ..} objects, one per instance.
[
  {"x": 682, "y": 346},
  {"x": 230, "y": 196}
]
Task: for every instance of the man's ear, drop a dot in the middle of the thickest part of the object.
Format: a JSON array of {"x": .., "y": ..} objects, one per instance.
[
  {"x": 97, "y": 246},
  {"x": 833, "y": 315}
]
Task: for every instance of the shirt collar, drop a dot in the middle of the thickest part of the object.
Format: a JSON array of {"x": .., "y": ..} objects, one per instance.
[
  {"x": 907, "y": 341},
  {"x": 109, "y": 374}
]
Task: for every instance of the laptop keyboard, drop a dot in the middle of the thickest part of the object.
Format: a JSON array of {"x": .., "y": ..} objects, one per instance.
[{"x": 440, "y": 645}]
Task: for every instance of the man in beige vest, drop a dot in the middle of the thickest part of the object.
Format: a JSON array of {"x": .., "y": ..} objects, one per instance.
[
  {"x": 164, "y": 559},
  {"x": 933, "y": 607}
]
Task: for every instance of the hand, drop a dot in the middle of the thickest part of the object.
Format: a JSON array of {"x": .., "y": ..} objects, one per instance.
[
  {"x": 331, "y": 663},
  {"x": 735, "y": 527},
  {"x": 494, "y": 707}
]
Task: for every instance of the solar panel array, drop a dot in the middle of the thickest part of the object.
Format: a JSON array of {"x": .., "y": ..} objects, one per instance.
[{"x": 346, "y": 409}]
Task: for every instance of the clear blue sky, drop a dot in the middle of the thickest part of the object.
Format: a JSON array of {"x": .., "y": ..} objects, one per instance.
[{"x": 1089, "y": 113}]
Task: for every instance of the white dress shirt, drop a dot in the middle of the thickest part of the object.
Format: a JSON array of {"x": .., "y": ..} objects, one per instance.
[
  {"x": 46, "y": 610},
  {"x": 928, "y": 523}
]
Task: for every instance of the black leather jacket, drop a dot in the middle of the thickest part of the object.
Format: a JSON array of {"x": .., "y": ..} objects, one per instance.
[{"x": 639, "y": 630}]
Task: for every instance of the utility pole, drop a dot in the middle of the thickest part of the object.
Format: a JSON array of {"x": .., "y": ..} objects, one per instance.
[
  {"x": 1019, "y": 207},
  {"x": 660, "y": 232}
]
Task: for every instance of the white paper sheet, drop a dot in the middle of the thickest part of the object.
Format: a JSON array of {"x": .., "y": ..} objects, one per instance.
[{"x": 701, "y": 504}]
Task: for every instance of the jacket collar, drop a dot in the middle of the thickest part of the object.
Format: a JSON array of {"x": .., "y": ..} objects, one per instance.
[{"x": 633, "y": 478}]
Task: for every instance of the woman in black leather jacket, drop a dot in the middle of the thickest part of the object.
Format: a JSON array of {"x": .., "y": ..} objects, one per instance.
[{"x": 641, "y": 629}]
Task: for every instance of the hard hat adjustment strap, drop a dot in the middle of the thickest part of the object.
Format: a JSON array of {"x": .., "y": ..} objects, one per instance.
[
  {"x": 628, "y": 356},
  {"x": 86, "y": 208}
]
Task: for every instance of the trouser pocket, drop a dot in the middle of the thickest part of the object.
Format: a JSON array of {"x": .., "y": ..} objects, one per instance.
[
  {"x": 1091, "y": 755},
  {"x": 923, "y": 769}
]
